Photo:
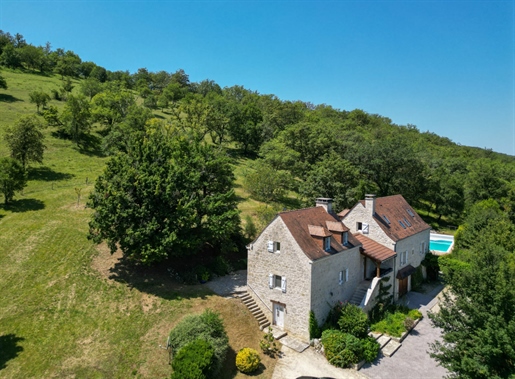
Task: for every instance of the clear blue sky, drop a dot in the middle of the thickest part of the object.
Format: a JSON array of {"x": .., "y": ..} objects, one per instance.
[{"x": 444, "y": 66}]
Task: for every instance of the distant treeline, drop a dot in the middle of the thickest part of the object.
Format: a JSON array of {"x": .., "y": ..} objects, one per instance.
[{"x": 313, "y": 150}]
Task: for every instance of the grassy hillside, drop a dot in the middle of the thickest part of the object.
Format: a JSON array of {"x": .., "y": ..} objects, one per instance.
[{"x": 69, "y": 308}]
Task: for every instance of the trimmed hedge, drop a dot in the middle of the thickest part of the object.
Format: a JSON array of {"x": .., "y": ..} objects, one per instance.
[
  {"x": 194, "y": 361},
  {"x": 343, "y": 349},
  {"x": 247, "y": 360}
]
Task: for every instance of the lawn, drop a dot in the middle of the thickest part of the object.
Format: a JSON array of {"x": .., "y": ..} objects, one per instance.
[{"x": 69, "y": 308}]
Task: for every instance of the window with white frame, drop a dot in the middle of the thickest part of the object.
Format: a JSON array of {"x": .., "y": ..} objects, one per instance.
[
  {"x": 345, "y": 238},
  {"x": 343, "y": 276},
  {"x": 404, "y": 258},
  {"x": 274, "y": 247},
  {"x": 277, "y": 281}
]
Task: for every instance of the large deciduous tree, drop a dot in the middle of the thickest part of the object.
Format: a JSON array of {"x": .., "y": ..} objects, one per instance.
[
  {"x": 13, "y": 178},
  {"x": 25, "y": 140},
  {"x": 168, "y": 196}
]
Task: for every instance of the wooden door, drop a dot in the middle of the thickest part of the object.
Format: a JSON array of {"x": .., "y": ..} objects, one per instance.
[{"x": 403, "y": 287}]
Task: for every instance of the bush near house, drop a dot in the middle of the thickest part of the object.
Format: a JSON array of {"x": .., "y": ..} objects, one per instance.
[
  {"x": 194, "y": 361},
  {"x": 247, "y": 360},
  {"x": 207, "y": 326},
  {"x": 344, "y": 349},
  {"x": 345, "y": 338}
]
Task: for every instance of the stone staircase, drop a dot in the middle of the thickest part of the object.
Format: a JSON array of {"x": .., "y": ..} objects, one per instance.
[
  {"x": 255, "y": 310},
  {"x": 359, "y": 293},
  {"x": 386, "y": 343}
]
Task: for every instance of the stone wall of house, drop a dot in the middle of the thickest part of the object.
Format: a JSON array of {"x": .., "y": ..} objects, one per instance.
[
  {"x": 412, "y": 245},
  {"x": 326, "y": 289},
  {"x": 361, "y": 214},
  {"x": 291, "y": 263}
]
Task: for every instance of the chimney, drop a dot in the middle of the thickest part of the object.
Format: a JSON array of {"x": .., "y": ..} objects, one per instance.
[
  {"x": 370, "y": 203},
  {"x": 326, "y": 203}
]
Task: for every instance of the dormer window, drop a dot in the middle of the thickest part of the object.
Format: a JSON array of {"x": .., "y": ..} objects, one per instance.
[
  {"x": 345, "y": 238},
  {"x": 327, "y": 243}
]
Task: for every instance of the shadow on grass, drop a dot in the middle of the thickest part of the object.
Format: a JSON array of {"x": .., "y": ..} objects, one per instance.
[
  {"x": 10, "y": 348},
  {"x": 229, "y": 370},
  {"x": 24, "y": 205},
  {"x": 8, "y": 98},
  {"x": 90, "y": 144},
  {"x": 155, "y": 280},
  {"x": 45, "y": 173}
]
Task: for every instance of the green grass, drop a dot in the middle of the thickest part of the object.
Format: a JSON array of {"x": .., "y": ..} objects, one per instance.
[
  {"x": 69, "y": 309},
  {"x": 392, "y": 323}
]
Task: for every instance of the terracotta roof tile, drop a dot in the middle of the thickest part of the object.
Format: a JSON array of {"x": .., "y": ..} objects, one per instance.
[
  {"x": 397, "y": 210},
  {"x": 318, "y": 231},
  {"x": 374, "y": 250},
  {"x": 336, "y": 226},
  {"x": 299, "y": 222}
]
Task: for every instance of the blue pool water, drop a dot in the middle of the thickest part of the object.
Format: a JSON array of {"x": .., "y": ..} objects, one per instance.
[{"x": 439, "y": 245}]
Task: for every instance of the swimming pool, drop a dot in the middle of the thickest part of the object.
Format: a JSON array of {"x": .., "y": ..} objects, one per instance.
[{"x": 441, "y": 243}]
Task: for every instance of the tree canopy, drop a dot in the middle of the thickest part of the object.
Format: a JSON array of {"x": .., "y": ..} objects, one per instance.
[
  {"x": 25, "y": 140},
  {"x": 167, "y": 196}
]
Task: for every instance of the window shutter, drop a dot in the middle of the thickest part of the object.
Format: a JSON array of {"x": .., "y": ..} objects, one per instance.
[
  {"x": 283, "y": 284},
  {"x": 340, "y": 278},
  {"x": 346, "y": 274},
  {"x": 270, "y": 246},
  {"x": 365, "y": 228},
  {"x": 271, "y": 280},
  {"x": 406, "y": 257}
]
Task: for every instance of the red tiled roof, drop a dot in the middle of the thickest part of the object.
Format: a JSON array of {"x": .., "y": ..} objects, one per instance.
[
  {"x": 336, "y": 226},
  {"x": 299, "y": 223},
  {"x": 397, "y": 210},
  {"x": 343, "y": 213},
  {"x": 318, "y": 231},
  {"x": 374, "y": 250}
]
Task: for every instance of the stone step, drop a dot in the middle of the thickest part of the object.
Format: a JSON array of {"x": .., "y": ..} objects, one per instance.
[
  {"x": 264, "y": 325},
  {"x": 383, "y": 340},
  {"x": 262, "y": 319},
  {"x": 391, "y": 347},
  {"x": 375, "y": 335},
  {"x": 252, "y": 307}
]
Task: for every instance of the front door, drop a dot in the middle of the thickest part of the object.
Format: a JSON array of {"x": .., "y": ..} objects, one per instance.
[
  {"x": 279, "y": 315},
  {"x": 403, "y": 287}
]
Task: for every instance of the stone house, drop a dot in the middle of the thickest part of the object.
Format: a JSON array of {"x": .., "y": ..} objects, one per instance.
[
  {"x": 307, "y": 260},
  {"x": 393, "y": 223}
]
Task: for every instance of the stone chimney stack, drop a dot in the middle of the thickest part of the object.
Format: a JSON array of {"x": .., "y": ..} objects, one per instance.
[
  {"x": 370, "y": 203},
  {"x": 326, "y": 203}
]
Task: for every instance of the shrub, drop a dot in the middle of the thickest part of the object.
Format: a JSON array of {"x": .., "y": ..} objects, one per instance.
[
  {"x": 221, "y": 266},
  {"x": 194, "y": 361},
  {"x": 432, "y": 267},
  {"x": 417, "y": 278},
  {"x": 341, "y": 349},
  {"x": 353, "y": 321},
  {"x": 331, "y": 321},
  {"x": 415, "y": 314},
  {"x": 370, "y": 349},
  {"x": 247, "y": 360},
  {"x": 267, "y": 343},
  {"x": 207, "y": 326},
  {"x": 314, "y": 329}
]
